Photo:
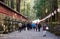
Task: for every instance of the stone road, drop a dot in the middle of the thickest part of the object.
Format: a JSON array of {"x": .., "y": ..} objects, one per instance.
[{"x": 29, "y": 35}]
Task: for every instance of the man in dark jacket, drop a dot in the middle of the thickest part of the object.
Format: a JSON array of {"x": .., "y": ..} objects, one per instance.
[
  {"x": 39, "y": 26},
  {"x": 28, "y": 25}
]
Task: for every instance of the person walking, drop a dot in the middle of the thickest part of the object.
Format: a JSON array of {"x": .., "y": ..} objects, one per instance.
[
  {"x": 20, "y": 26},
  {"x": 44, "y": 29},
  {"x": 33, "y": 26},
  {"x": 39, "y": 26},
  {"x": 28, "y": 26},
  {"x": 36, "y": 27}
]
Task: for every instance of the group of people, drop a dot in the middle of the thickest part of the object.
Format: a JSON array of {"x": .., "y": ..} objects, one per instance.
[
  {"x": 35, "y": 26},
  {"x": 24, "y": 25},
  {"x": 29, "y": 26}
]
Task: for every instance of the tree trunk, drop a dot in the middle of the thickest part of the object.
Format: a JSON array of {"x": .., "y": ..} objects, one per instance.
[
  {"x": 2, "y": 0},
  {"x": 5, "y": 1},
  {"x": 18, "y": 5},
  {"x": 12, "y": 4}
]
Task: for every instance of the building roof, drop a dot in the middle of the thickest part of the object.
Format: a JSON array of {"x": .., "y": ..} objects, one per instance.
[{"x": 3, "y": 4}]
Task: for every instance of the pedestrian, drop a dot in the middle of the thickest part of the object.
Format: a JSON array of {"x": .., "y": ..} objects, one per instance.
[
  {"x": 36, "y": 27},
  {"x": 20, "y": 26},
  {"x": 44, "y": 29},
  {"x": 28, "y": 26},
  {"x": 24, "y": 25},
  {"x": 39, "y": 26},
  {"x": 33, "y": 26}
]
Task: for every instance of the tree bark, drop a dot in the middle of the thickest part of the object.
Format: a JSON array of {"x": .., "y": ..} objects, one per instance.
[
  {"x": 2, "y": 0},
  {"x": 18, "y": 5},
  {"x": 12, "y": 4}
]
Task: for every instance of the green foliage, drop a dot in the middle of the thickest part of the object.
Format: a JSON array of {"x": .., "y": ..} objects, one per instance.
[
  {"x": 39, "y": 6},
  {"x": 55, "y": 28}
]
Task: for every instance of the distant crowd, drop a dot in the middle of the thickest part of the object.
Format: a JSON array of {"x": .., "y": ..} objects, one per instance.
[
  {"x": 34, "y": 26},
  {"x": 29, "y": 26}
]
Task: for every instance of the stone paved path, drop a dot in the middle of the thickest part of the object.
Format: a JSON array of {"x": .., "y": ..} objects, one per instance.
[{"x": 29, "y": 35}]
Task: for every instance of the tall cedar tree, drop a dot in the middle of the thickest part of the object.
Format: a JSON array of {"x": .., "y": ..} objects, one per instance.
[{"x": 18, "y": 5}]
